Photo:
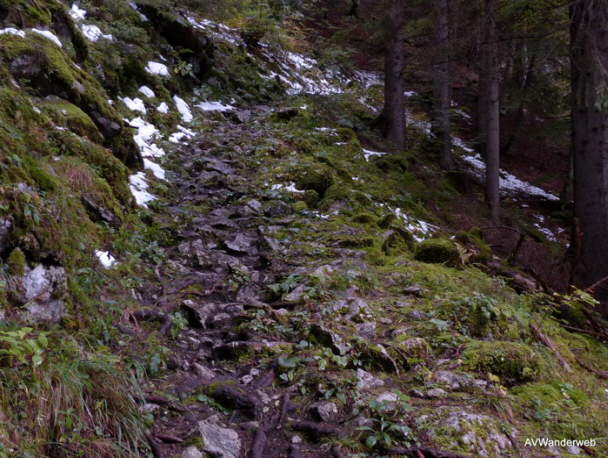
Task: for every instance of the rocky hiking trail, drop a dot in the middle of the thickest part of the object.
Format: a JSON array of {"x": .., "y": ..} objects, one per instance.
[
  {"x": 231, "y": 242},
  {"x": 234, "y": 385}
]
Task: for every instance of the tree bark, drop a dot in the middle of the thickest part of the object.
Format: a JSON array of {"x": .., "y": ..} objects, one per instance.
[
  {"x": 441, "y": 86},
  {"x": 392, "y": 118},
  {"x": 492, "y": 112},
  {"x": 589, "y": 66}
]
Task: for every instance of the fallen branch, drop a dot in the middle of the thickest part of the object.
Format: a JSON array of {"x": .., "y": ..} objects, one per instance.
[
  {"x": 168, "y": 438},
  {"x": 316, "y": 430},
  {"x": 601, "y": 374},
  {"x": 156, "y": 450},
  {"x": 545, "y": 340},
  {"x": 584, "y": 331}
]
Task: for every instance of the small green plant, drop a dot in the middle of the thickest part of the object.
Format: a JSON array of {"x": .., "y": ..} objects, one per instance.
[
  {"x": 23, "y": 347},
  {"x": 286, "y": 286}
]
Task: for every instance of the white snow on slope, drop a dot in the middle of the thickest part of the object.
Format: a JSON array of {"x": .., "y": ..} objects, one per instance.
[
  {"x": 12, "y": 31},
  {"x": 290, "y": 187},
  {"x": 183, "y": 108},
  {"x": 367, "y": 153},
  {"x": 183, "y": 133},
  {"x": 94, "y": 33},
  {"x": 135, "y": 104},
  {"x": 76, "y": 13},
  {"x": 214, "y": 106},
  {"x": 146, "y": 133},
  {"x": 139, "y": 186},
  {"x": 145, "y": 90},
  {"x": 156, "y": 68},
  {"x": 163, "y": 108},
  {"x": 106, "y": 259},
  {"x": 49, "y": 35},
  {"x": 157, "y": 170},
  {"x": 508, "y": 182}
]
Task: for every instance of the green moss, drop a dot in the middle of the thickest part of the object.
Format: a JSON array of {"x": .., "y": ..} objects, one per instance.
[
  {"x": 16, "y": 263},
  {"x": 515, "y": 363},
  {"x": 311, "y": 197},
  {"x": 337, "y": 192},
  {"x": 73, "y": 118},
  {"x": 316, "y": 177},
  {"x": 437, "y": 251},
  {"x": 299, "y": 206},
  {"x": 365, "y": 218},
  {"x": 390, "y": 163}
]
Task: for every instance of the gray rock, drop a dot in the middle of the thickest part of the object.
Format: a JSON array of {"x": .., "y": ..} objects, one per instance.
[
  {"x": 435, "y": 393},
  {"x": 414, "y": 290},
  {"x": 297, "y": 295},
  {"x": 45, "y": 292},
  {"x": 416, "y": 315},
  {"x": 367, "y": 381},
  {"x": 203, "y": 372},
  {"x": 458, "y": 381},
  {"x": 330, "y": 339},
  {"x": 241, "y": 244},
  {"x": 255, "y": 205},
  {"x": 192, "y": 452},
  {"x": 479, "y": 433},
  {"x": 573, "y": 450},
  {"x": 366, "y": 329},
  {"x": 277, "y": 208},
  {"x": 219, "y": 441},
  {"x": 350, "y": 307},
  {"x": 326, "y": 411}
]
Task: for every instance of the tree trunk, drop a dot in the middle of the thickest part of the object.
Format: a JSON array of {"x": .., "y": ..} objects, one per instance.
[
  {"x": 519, "y": 114},
  {"x": 441, "y": 85},
  {"x": 392, "y": 119},
  {"x": 589, "y": 61},
  {"x": 492, "y": 113},
  {"x": 482, "y": 96}
]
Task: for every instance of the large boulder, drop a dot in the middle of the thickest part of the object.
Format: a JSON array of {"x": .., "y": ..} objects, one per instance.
[{"x": 219, "y": 441}]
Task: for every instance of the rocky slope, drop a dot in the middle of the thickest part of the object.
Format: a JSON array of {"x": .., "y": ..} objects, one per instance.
[{"x": 200, "y": 257}]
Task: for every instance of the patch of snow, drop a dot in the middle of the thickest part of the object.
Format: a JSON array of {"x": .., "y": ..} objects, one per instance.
[
  {"x": 94, "y": 33},
  {"x": 183, "y": 109},
  {"x": 138, "y": 186},
  {"x": 367, "y": 153},
  {"x": 163, "y": 108},
  {"x": 508, "y": 182},
  {"x": 409, "y": 93},
  {"x": 290, "y": 187},
  {"x": 157, "y": 170},
  {"x": 37, "y": 110},
  {"x": 214, "y": 106},
  {"x": 12, "y": 31},
  {"x": 49, "y": 35},
  {"x": 458, "y": 143},
  {"x": 106, "y": 259},
  {"x": 368, "y": 79},
  {"x": 76, "y": 13},
  {"x": 136, "y": 104},
  {"x": 156, "y": 68},
  {"x": 145, "y": 90},
  {"x": 146, "y": 133},
  {"x": 183, "y": 133}
]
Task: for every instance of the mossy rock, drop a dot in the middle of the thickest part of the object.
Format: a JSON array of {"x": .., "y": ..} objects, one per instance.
[
  {"x": 316, "y": 177},
  {"x": 311, "y": 197},
  {"x": 437, "y": 251},
  {"x": 398, "y": 240},
  {"x": 390, "y": 163},
  {"x": 16, "y": 263},
  {"x": 337, "y": 192},
  {"x": 365, "y": 218},
  {"x": 387, "y": 220},
  {"x": 67, "y": 115},
  {"x": 515, "y": 363},
  {"x": 299, "y": 206}
]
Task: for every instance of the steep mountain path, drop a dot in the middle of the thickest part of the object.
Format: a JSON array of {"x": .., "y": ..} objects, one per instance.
[{"x": 223, "y": 261}]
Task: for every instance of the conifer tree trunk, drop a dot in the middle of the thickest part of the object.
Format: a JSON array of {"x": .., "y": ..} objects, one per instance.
[
  {"x": 589, "y": 61},
  {"x": 492, "y": 112},
  {"x": 441, "y": 85},
  {"x": 392, "y": 118}
]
